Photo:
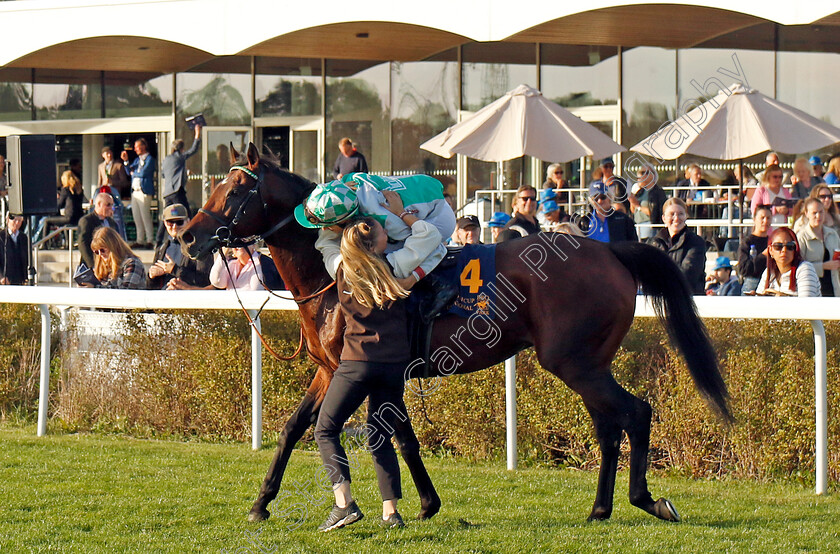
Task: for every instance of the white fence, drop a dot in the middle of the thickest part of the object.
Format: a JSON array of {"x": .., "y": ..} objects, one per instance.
[{"x": 814, "y": 310}]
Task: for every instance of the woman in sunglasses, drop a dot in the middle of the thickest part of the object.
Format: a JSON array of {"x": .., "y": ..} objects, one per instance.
[
  {"x": 819, "y": 244},
  {"x": 115, "y": 265},
  {"x": 787, "y": 274}
]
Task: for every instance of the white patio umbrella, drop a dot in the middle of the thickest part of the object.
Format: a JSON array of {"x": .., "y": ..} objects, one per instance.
[
  {"x": 523, "y": 122},
  {"x": 738, "y": 123}
]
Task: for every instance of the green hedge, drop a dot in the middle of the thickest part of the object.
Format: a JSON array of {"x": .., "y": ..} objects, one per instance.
[{"x": 190, "y": 378}]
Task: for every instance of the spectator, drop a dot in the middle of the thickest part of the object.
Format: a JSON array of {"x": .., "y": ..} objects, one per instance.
[
  {"x": 721, "y": 282},
  {"x": 749, "y": 184},
  {"x": 771, "y": 159},
  {"x": 174, "y": 172},
  {"x": 555, "y": 182},
  {"x": 116, "y": 265},
  {"x": 605, "y": 223},
  {"x": 817, "y": 168},
  {"x": 646, "y": 200},
  {"x": 551, "y": 215},
  {"x": 616, "y": 185},
  {"x": 246, "y": 270},
  {"x": 70, "y": 201},
  {"x": 14, "y": 252},
  {"x": 112, "y": 173},
  {"x": 771, "y": 193},
  {"x": 119, "y": 208},
  {"x": 683, "y": 246},
  {"x": 103, "y": 211},
  {"x": 832, "y": 176},
  {"x": 821, "y": 192},
  {"x": 142, "y": 171},
  {"x": 497, "y": 223},
  {"x": 349, "y": 160},
  {"x": 467, "y": 230},
  {"x": 787, "y": 274},
  {"x": 693, "y": 185},
  {"x": 524, "y": 220},
  {"x": 170, "y": 268},
  {"x": 819, "y": 244},
  {"x": 752, "y": 251},
  {"x": 802, "y": 180}
]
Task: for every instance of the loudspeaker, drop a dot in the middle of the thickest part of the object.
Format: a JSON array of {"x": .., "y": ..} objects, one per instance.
[{"x": 32, "y": 174}]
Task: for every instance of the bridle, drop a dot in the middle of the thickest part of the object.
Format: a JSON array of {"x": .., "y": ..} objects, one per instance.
[{"x": 224, "y": 234}]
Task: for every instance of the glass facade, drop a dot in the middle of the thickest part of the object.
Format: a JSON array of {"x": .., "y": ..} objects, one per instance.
[
  {"x": 287, "y": 87},
  {"x": 389, "y": 108},
  {"x": 358, "y": 107},
  {"x": 131, "y": 95}
]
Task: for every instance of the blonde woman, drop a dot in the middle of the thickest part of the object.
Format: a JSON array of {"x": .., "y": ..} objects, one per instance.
[
  {"x": 115, "y": 265},
  {"x": 374, "y": 357},
  {"x": 70, "y": 200},
  {"x": 821, "y": 192},
  {"x": 832, "y": 175}
]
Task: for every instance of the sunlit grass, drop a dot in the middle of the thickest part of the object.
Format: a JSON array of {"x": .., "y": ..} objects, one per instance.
[{"x": 88, "y": 493}]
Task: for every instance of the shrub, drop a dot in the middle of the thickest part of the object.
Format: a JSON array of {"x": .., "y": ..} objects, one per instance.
[{"x": 187, "y": 375}]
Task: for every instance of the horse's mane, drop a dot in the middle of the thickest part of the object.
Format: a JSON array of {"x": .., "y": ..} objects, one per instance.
[{"x": 271, "y": 162}]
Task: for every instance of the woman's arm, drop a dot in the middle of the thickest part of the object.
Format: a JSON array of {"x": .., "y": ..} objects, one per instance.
[
  {"x": 218, "y": 274},
  {"x": 807, "y": 282},
  {"x": 329, "y": 245}
]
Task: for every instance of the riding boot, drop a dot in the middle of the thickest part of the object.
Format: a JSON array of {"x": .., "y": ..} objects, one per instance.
[{"x": 440, "y": 293}]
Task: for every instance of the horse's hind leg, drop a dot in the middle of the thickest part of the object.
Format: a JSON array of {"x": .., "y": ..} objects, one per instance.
[
  {"x": 303, "y": 418},
  {"x": 410, "y": 451},
  {"x": 638, "y": 433},
  {"x": 609, "y": 439}
]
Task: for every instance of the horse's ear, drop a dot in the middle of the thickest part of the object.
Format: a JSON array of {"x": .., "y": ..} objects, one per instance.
[
  {"x": 253, "y": 156},
  {"x": 234, "y": 155}
]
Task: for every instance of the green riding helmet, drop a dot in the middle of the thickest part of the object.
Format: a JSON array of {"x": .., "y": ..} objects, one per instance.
[{"x": 329, "y": 204}]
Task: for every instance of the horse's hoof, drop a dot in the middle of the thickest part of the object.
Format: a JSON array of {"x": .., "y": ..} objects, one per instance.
[
  {"x": 599, "y": 514},
  {"x": 663, "y": 509},
  {"x": 429, "y": 511},
  {"x": 258, "y": 514}
]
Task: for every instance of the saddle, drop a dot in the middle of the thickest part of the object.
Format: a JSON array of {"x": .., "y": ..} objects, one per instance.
[{"x": 436, "y": 291}]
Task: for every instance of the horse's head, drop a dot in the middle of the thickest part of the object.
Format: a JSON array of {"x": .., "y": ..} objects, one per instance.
[{"x": 255, "y": 201}]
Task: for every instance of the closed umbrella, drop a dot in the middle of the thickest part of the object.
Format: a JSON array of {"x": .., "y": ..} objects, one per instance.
[{"x": 522, "y": 122}]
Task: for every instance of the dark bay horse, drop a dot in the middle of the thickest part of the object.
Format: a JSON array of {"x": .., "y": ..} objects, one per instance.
[{"x": 573, "y": 300}]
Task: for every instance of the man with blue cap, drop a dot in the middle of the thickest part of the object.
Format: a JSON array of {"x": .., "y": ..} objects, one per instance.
[
  {"x": 817, "y": 168},
  {"x": 721, "y": 282},
  {"x": 497, "y": 223},
  {"x": 604, "y": 223}
]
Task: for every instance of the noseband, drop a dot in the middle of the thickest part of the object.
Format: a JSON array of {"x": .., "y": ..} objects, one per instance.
[{"x": 224, "y": 234}]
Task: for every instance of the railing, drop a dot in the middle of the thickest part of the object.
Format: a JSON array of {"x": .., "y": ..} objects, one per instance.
[
  {"x": 37, "y": 246},
  {"x": 814, "y": 310}
]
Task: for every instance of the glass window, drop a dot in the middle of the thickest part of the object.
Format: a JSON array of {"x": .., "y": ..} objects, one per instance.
[
  {"x": 358, "y": 107},
  {"x": 575, "y": 76},
  {"x": 287, "y": 86},
  {"x": 702, "y": 72},
  {"x": 649, "y": 91},
  {"x": 223, "y": 98},
  {"x": 424, "y": 97},
  {"x": 63, "y": 95},
  {"x": 137, "y": 95},
  {"x": 15, "y": 95},
  {"x": 492, "y": 69},
  {"x": 805, "y": 82}
]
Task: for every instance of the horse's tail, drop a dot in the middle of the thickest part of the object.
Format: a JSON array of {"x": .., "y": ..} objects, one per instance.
[{"x": 664, "y": 283}]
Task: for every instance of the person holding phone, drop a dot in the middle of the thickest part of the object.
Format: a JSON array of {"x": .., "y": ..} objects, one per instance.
[{"x": 771, "y": 193}]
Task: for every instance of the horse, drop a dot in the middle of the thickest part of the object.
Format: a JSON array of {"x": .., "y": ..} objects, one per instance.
[{"x": 575, "y": 329}]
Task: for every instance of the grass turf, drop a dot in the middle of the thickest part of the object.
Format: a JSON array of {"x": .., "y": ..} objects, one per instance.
[{"x": 90, "y": 493}]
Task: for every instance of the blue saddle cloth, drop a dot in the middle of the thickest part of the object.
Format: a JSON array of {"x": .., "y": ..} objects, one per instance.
[{"x": 474, "y": 269}]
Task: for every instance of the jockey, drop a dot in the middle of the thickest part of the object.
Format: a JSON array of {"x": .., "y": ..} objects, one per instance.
[{"x": 333, "y": 204}]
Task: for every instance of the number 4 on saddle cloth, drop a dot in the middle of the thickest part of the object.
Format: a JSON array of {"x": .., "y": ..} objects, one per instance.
[{"x": 465, "y": 281}]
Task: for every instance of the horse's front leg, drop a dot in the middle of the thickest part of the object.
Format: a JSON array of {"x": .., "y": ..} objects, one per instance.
[
  {"x": 410, "y": 451},
  {"x": 303, "y": 418}
]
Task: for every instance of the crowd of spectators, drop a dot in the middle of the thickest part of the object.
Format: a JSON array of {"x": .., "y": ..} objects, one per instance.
[{"x": 800, "y": 204}]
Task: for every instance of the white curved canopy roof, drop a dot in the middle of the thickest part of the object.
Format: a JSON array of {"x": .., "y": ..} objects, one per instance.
[{"x": 173, "y": 35}]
